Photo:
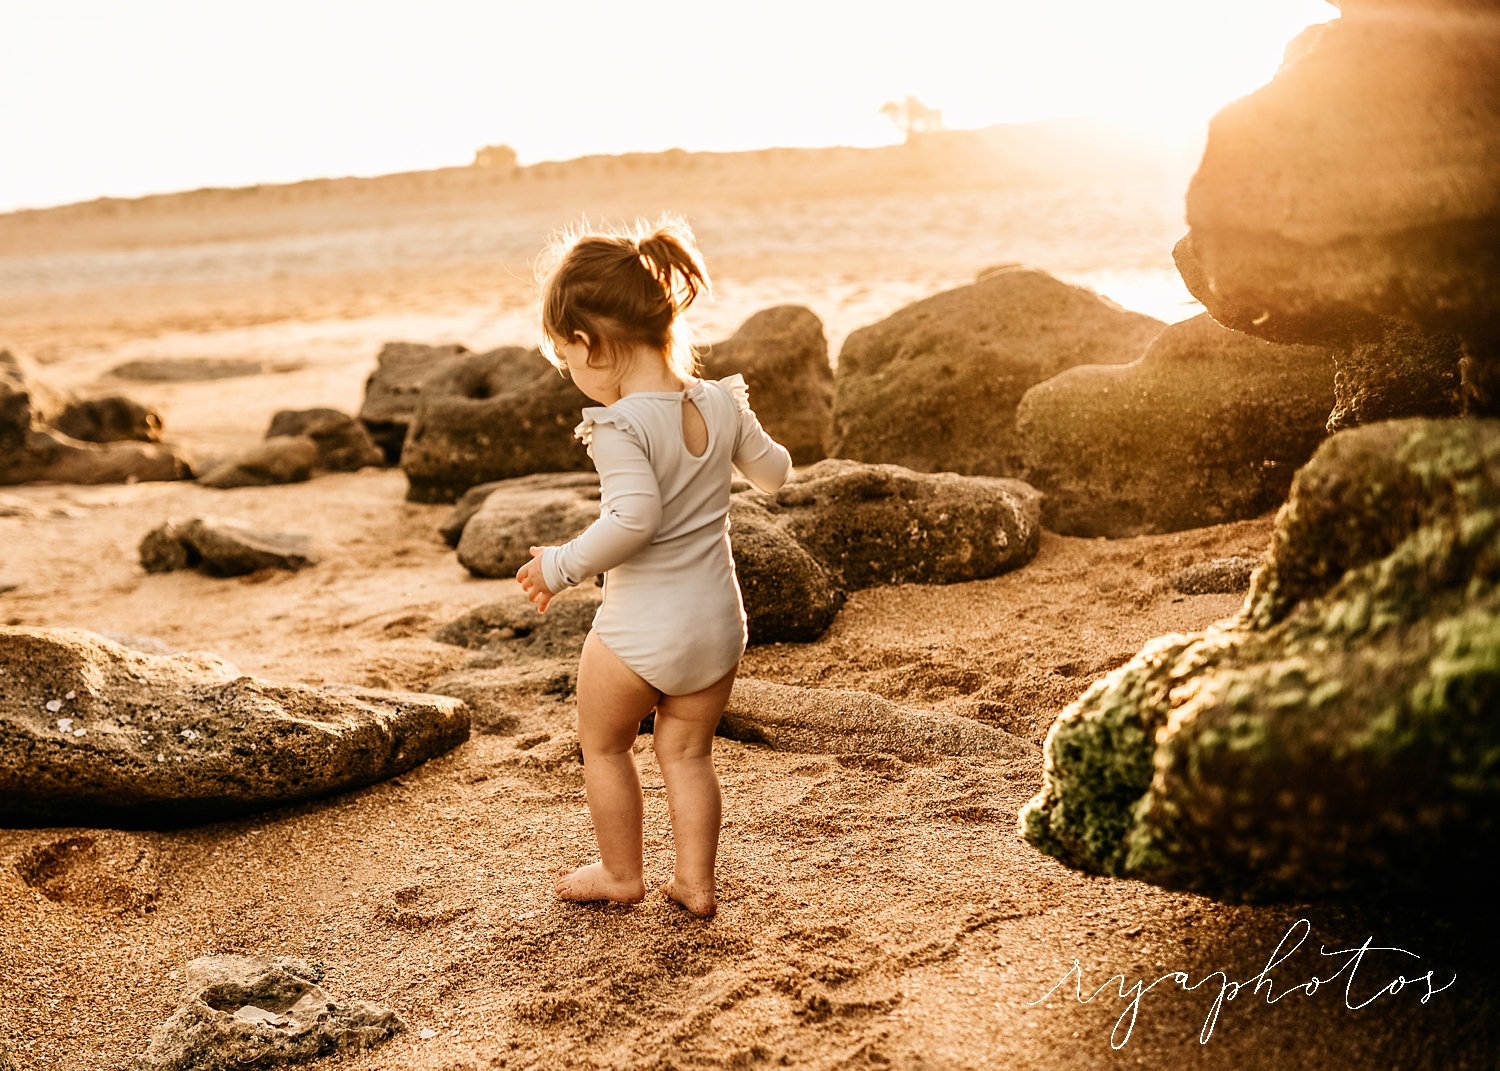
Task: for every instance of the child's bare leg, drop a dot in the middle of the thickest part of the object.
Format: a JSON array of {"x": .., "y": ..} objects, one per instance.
[
  {"x": 612, "y": 700},
  {"x": 684, "y": 739}
]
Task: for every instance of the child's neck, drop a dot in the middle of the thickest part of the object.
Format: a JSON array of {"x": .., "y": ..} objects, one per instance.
[{"x": 648, "y": 371}]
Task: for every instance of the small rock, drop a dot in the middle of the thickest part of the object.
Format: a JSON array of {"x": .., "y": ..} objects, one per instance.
[
  {"x": 64, "y": 724},
  {"x": 243, "y": 1011},
  {"x": 222, "y": 549},
  {"x": 185, "y": 369},
  {"x": 1222, "y": 576},
  {"x": 283, "y": 459},
  {"x": 54, "y": 705},
  {"x": 344, "y": 445},
  {"x": 428, "y": 1032}
]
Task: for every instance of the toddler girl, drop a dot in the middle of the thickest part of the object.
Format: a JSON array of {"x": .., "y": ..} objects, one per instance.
[{"x": 671, "y": 630}]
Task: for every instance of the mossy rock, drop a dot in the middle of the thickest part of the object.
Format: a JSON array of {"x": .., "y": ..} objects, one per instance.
[{"x": 1342, "y": 734}]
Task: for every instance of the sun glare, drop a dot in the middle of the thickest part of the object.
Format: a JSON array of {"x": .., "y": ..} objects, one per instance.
[{"x": 166, "y": 94}]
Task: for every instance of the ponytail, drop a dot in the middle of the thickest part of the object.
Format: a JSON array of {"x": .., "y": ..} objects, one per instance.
[{"x": 621, "y": 289}]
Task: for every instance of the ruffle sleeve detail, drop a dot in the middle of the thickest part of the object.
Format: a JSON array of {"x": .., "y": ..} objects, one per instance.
[
  {"x": 736, "y": 385},
  {"x": 601, "y": 414}
]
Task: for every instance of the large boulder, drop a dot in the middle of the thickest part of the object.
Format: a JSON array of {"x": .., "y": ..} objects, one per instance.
[
  {"x": 491, "y": 416},
  {"x": 783, "y": 354},
  {"x": 343, "y": 444},
  {"x": 1360, "y": 185},
  {"x": 391, "y": 390},
  {"x": 1340, "y": 735},
  {"x": 239, "y": 1012},
  {"x": 96, "y": 734},
  {"x": 883, "y": 524},
  {"x": 789, "y": 596},
  {"x": 934, "y": 387},
  {"x": 1208, "y": 426},
  {"x": 283, "y": 459}
]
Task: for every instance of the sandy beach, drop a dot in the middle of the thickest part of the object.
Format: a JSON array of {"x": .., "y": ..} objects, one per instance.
[{"x": 875, "y": 911}]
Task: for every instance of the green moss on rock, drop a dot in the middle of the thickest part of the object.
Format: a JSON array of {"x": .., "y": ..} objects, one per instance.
[{"x": 1343, "y": 731}]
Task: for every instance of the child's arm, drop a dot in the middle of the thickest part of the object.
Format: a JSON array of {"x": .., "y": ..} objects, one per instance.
[
  {"x": 763, "y": 460},
  {"x": 629, "y": 516}
]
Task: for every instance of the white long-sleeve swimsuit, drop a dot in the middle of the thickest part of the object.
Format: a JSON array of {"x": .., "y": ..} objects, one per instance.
[{"x": 672, "y": 610}]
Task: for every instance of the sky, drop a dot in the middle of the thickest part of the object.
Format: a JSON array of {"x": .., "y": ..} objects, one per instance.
[{"x": 128, "y": 97}]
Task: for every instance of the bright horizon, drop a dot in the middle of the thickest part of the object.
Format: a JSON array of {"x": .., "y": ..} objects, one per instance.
[{"x": 123, "y": 100}]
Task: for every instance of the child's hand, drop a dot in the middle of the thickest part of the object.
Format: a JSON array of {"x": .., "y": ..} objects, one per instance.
[{"x": 533, "y": 583}]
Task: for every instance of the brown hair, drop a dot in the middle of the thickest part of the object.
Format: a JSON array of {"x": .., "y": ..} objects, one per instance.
[{"x": 623, "y": 289}]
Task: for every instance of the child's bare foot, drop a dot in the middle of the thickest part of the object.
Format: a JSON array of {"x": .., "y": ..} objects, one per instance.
[
  {"x": 700, "y": 902},
  {"x": 593, "y": 883}
]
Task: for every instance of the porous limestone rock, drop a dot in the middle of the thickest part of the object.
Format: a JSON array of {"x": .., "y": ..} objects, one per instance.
[
  {"x": 783, "y": 354},
  {"x": 789, "y": 596},
  {"x": 884, "y": 524},
  {"x": 342, "y": 442},
  {"x": 239, "y": 1012},
  {"x": 934, "y": 387},
  {"x": 1208, "y": 426},
  {"x": 1405, "y": 372},
  {"x": 1339, "y": 736},
  {"x": 828, "y": 721},
  {"x": 96, "y": 734},
  {"x": 392, "y": 388},
  {"x": 222, "y": 549},
  {"x": 1360, "y": 186},
  {"x": 284, "y": 459},
  {"x": 530, "y": 511},
  {"x": 491, "y": 416}
]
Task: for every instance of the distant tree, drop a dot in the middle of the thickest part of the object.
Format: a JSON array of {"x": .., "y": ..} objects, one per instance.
[
  {"x": 502, "y": 156},
  {"x": 912, "y": 117}
]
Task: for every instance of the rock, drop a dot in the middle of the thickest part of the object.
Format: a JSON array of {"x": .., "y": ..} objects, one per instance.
[
  {"x": 47, "y": 456},
  {"x": 882, "y": 524},
  {"x": 789, "y": 596},
  {"x": 825, "y": 721},
  {"x": 467, "y": 505},
  {"x": 1360, "y": 186},
  {"x": 391, "y": 390},
  {"x": 532, "y": 511},
  {"x": 30, "y": 452},
  {"x": 514, "y": 626},
  {"x": 25, "y": 386},
  {"x": 284, "y": 459},
  {"x": 836, "y": 526},
  {"x": 259, "y": 1011},
  {"x": 934, "y": 387},
  {"x": 185, "y": 369},
  {"x": 1222, "y": 576},
  {"x": 783, "y": 354},
  {"x": 491, "y": 416},
  {"x": 221, "y": 549},
  {"x": 1338, "y": 736},
  {"x": 1406, "y": 372},
  {"x": 8, "y": 585},
  {"x": 342, "y": 442},
  {"x": 163, "y": 741},
  {"x": 110, "y": 419},
  {"x": 1207, "y": 426}
]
